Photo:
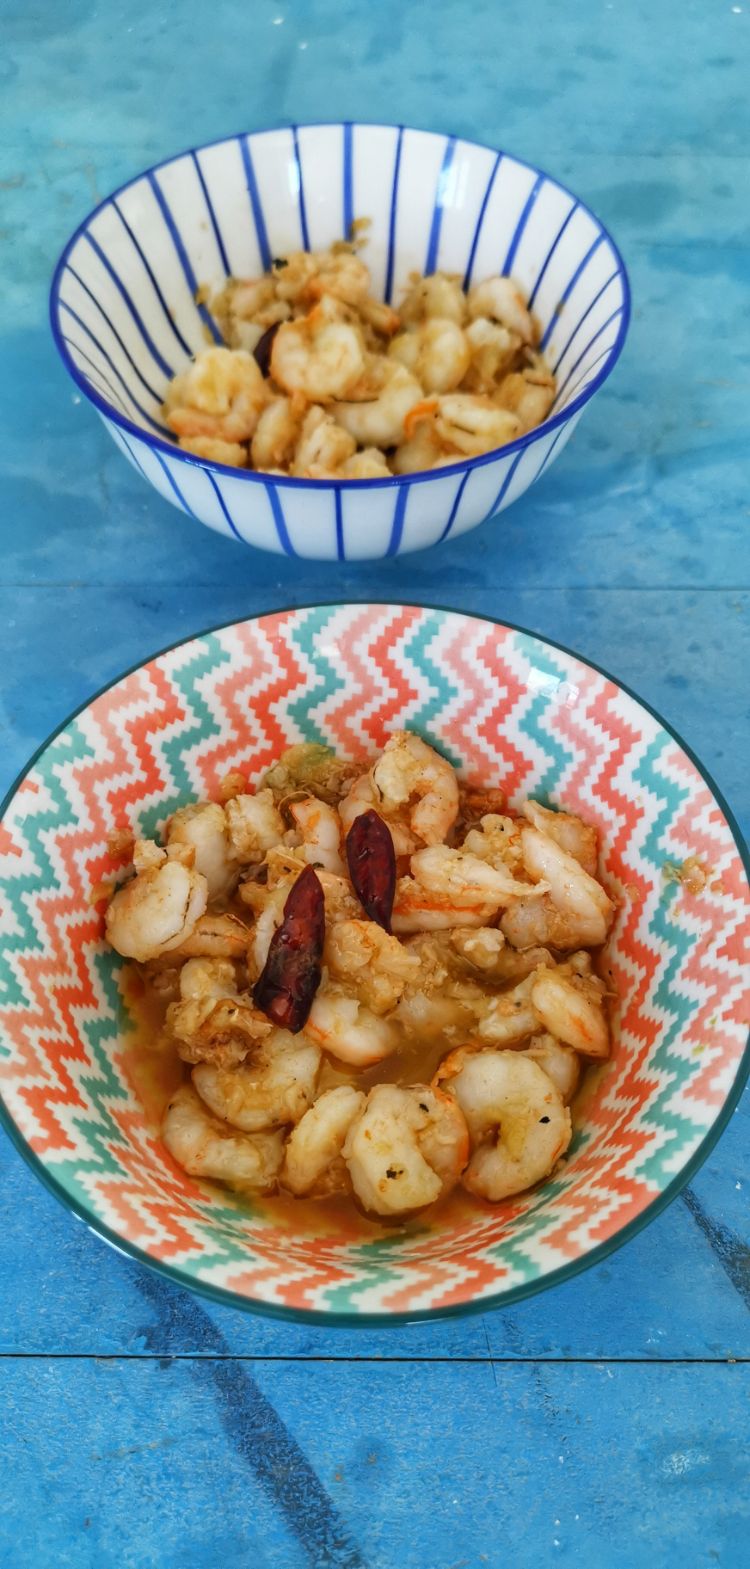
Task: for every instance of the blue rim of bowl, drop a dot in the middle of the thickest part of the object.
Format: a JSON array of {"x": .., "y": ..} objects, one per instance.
[
  {"x": 108, "y": 410},
  {"x": 221, "y": 1295}
]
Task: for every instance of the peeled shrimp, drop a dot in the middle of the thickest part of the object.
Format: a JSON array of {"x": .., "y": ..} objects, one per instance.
[
  {"x": 529, "y": 394},
  {"x": 439, "y": 295},
  {"x": 493, "y": 349},
  {"x": 320, "y": 355},
  {"x": 220, "y": 395},
  {"x": 368, "y": 464},
  {"x": 380, "y": 402},
  {"x": 204, "y": 828},
  {"x": 320, "y": 827},
  {"x": 417, "y": 909},
  {"x": 212, "y": 1022},
  {"x": 276, "y": 434},
  {"x": 215, "y": 937},
  {"x": 518, "y": 1124},
  {"x": 205, "y": 1147},
  {"x": 362, "y": 796},
  {"x": 322, "y": 445},
  {"x": 214, "y": 450},
  {"x": 467, "y": 879},
  {"x": 571, "y": 1006},
  {"x": 306, "y": 276},
  {"x": 377, "y": 966},
  {"x": 561, "y": 1063},
  {"x": 410, "y": 774},
  {"x": 313, "y": 1163},
  {"x": 577, "y": 838},
  {"x": 436, "y": 352},
  {"x": 469, "y": 425},
  {"x": 343, "y": 275},
  {"x": 573, "y": 892},
  {"x": 510, "y": 1016},
  {"x": 343, "y": 1026},
  {"x": 157, "y": 910},
  {"x": 254, "y": 825},
  {"x": 406, "y": 1149},
  {"x": 451, "y": 427},
  {"x": 498, "y": 299},
  {"x": 273, "y": 1088}
]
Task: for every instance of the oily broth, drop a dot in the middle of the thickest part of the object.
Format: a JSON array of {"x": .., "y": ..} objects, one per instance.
[{"x": 154, "y": 1070}]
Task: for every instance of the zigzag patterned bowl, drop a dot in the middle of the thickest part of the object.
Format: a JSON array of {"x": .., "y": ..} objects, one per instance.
[
  {"x": 508, "y": 708},
  {"x": 125, "y": 318}
]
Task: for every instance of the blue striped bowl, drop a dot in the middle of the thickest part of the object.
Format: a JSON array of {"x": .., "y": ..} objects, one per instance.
[{"x": 125, "y": 318}]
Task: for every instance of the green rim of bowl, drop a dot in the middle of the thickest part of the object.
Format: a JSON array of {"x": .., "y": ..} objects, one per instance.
[{"x": 557, "y": 1277}]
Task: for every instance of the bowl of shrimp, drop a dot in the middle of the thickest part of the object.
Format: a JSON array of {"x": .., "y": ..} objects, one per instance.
[
  {"x": 369, "y": 963},
  {"x": 343, "y": 341}
]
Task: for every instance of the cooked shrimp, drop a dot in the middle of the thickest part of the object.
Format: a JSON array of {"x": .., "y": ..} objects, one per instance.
[
  {"x": 205, "y": 1147},
  {"x": 245, "y": 308},
  {"x": 422, "y": 449},
  {"x": 498, "y": 299},
  {"x": 529, "y": 394},
  {"x": 232, "y": 453},
  {"x": 313, "y": 1163},
  {"x": 497, "y": 839},
  {"x": 322, "y": 445},
  {"x": 269, "y": 906},
  {"x": 343, "y": 1026},
  {"x": 368, "y": 464},
  {"x": 204, "y": 828},
  {"x": 212, "y": 1022},
  {"x": 277, "y": 433},
  {"x": 381, "y": 318},
  {"x": 271, "y": 1089},
  {"x": 215, "y": 937},
  {"x": 292, "y": 275},
  {"x": 377, "y": 966},
  {"x": 528, "y": 923},
  {"x": 466, "y": 879},
  {"x": 254, "y": 825},
  {"x": 436, "y": 352},
  {"x": 577, "y": 838},
  {"x": 406, "y": 1149},
  {"x": 469, "y": 425},
  {"x": 487, "y": 954},
  {"x": 518, "y": 1124},
  {"x": 410, "y": 775},
  {"x": 362, "y": 796},
  {"x": 511, "y": 1016},
  {"x": 156, "y": 911},
  {"x": 416, "y": 909},
  {"x": 452, "y": 427},
  {"x": 571, "y": 1006},
  {"x": 577, "y": 895},
  {"x": 220, "y": 395},
  {"x": 343, "y": 275},
  {"x": 493, "y": 350},
  {"x": 439, "y": 295},
  {"x": 320, "y": 827},
  {"x": 561, "y": 1063},
  {"x": 379, "y": 403},
  {"x": 320, "y": 355}
]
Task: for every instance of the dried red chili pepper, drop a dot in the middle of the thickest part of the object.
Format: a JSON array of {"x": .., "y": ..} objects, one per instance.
[
  {"x": 291, "y": 973},
  {"x": 262, "y": 350},
  {"x": 372, "y": 866}
]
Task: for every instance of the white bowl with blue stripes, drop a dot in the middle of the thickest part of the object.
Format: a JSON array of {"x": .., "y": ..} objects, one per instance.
[{"x": 125, "y": 318}]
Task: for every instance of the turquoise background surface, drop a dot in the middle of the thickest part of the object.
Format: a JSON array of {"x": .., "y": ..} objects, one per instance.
[{"x": 605, "y": 1421}]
